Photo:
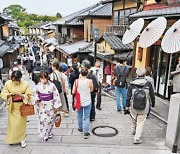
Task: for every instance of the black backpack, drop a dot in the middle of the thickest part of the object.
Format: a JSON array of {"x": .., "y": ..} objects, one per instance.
[
  {"x": 121, "y": 79},
  {"x": 95, "y": 82},
  {"x": 57, "y": 83},
  {"x": 139, "y": 98}
]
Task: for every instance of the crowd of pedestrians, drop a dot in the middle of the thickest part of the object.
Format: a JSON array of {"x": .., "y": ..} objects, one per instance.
[{"x": 53, "y": 80}]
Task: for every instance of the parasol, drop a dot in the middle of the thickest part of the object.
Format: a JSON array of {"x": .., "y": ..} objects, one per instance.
[
  {"x": 152, "y": 32},
  {"x": 133, "y": 31},
  {"x": 171, "y": 40}
]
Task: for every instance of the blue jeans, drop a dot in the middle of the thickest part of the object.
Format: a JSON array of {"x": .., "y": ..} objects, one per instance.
[
  {"x": 86, "y": 110},
  {"x": 121, "y": 91}
]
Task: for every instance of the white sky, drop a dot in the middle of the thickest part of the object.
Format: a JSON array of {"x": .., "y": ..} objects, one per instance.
[{"x": 50, "y": 7}]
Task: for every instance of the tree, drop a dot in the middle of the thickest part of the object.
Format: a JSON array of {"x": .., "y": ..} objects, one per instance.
[
  {"x": 24, "y": 20},
  {"x": 14, "y": 10},
  {"x": 58, "y": 15}
]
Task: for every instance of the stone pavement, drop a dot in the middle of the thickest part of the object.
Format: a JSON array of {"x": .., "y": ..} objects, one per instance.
[
  {"x": 160, "y": 110},
  {"x": 67, "y": 140}
]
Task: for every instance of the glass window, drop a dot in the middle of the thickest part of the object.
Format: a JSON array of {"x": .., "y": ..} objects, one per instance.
[
  {"x": 133, "y": 11},
  {"x": 127, "y": 12},
  {"x": 121, "y": 17},
  {"x": 116, "y": 17}
]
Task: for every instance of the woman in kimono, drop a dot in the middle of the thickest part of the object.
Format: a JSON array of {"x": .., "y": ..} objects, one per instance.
[
  {"x": 48, "y": 102},
  {"x": 16, "y": 87}
]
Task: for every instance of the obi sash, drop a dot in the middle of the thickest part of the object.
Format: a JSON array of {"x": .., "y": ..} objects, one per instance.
[{"x": 45, "y": 97}]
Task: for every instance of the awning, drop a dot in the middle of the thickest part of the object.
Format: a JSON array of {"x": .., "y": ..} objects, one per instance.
[
  {"x": 78, "y": 47},
  {"x": 52, "y": 48}
]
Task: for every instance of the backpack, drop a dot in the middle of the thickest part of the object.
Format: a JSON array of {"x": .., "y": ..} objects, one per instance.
[
  {"x": 121, "y": 79},
  {"x": 95, "y": 82},
  {"x": 139, "y": 98},
  {"x": 57, "y": 83}
]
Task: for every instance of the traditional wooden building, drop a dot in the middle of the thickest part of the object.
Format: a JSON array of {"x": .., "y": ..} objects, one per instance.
[
  {"x": 160, "y": 62},
  {"x": 77, "y": 30}
]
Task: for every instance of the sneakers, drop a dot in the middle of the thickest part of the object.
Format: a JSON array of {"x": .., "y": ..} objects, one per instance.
[
  {"x": 80, "y": 130},
  {"x": 86, "y": 135},
  {"x": 23, "y": 144},
  {"x": 138, "y": 141}
]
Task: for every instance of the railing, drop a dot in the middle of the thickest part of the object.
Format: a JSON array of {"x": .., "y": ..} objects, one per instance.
[{"x": 117, "y": 29}]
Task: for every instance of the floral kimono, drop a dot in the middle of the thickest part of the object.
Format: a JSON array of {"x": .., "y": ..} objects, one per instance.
[{"x": 47, "y": 99}]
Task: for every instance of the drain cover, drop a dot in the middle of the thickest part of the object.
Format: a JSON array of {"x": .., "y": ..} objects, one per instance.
[{"x": 105, "y": 131}]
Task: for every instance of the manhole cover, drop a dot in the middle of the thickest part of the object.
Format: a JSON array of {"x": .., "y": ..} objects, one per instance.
[{"x": 105, "y": 131}]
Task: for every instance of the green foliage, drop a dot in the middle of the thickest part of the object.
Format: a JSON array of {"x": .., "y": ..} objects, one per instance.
[
  {"x": 24, "y": 19},
  {"x": 58, "y": 15}
]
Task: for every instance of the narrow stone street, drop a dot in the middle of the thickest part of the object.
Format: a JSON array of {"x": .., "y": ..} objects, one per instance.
[{"x": 68, "y": 140}]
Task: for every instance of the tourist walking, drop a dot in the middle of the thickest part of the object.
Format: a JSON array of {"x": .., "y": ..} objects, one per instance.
[
  {"x": 56, "y": 76},
  {"x": 98, "y": 72},
  {"x": 140, "y": 91},
  {"x": 48, "y": 102},
  {"x": 63, "y": 68},
  {"x": 36, "y": 72},
  {"x": 121, "y": 72},
  {"x": 84, "y": 86},
  {"x": 74, "y": 74},
  {"x": 16, "y": 92}
]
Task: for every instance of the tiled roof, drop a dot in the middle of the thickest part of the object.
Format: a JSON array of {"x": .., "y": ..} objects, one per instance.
[
  {"x": 115, "y": 42},
  {"x": 172, "y": 11},
  {"x": 48, "y": 26},
  {"x": 73, "y": 18},
  {"x": 51, "y": 40},
  {"x": 94, "y": 10},
  {"x": 78, "y": 47},
  {"x": 1, "y": 42},
  {"x": 39, "y": 25},
  {"x": 5, "y": 17},
  {"x": 3, "y": 49},
  {"x": 101, "y": 10},
  {"x": 13, "y": 25}
]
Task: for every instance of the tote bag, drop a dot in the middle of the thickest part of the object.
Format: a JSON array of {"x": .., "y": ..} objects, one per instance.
[{"x": 77, "y": 99}]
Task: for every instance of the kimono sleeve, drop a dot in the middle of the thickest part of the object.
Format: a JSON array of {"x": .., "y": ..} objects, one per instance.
[
  {"x": 56, "y": 97},
  {"x": 28, "y": 94},
  {"x": 5, "y": 92}
]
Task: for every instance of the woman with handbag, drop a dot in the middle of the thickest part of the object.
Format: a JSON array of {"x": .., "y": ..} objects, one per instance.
[
  {"x": 48, "y": 102},
  {"x": 84, "y": 87},
  {"x": 16, "y": 92}
]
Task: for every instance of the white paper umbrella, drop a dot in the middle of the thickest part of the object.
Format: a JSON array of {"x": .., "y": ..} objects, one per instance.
[
  {"x": 171, "y": 40},
  {"x": 133, "y": 31},
  {"x": 152, "y": 32}
]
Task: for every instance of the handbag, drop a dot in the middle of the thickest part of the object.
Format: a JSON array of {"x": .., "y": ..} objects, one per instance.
[
  {"x": 17, "y": 98},
  {"x": 58, "y": 120},
  {"x": 27, "y": 110},
  {"x": 77, "y": 99}
]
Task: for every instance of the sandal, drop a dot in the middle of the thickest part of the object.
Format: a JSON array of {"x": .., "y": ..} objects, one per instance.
[
  {"x": 50, "y": 136},
  {"x": 45, "y": 140}
]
